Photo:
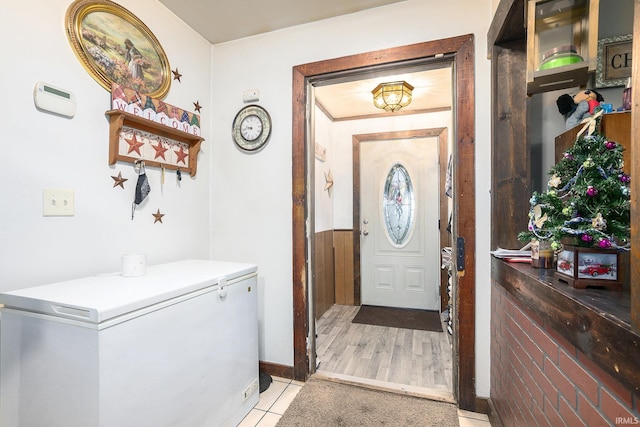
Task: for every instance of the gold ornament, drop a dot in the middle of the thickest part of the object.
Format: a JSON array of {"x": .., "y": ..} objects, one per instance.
[{"x": 599, "y": 223}]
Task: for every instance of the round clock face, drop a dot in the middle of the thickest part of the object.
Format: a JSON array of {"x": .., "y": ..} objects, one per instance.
[{"x": 251, "y": 128}]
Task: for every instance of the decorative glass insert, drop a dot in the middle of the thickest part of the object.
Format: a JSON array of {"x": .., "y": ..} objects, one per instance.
[{"x": 398, "y": 206}]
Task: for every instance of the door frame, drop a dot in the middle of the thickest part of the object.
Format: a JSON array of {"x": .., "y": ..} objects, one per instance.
[
  {"x": 443, "y": 147},
  {"x": 461, "y": 48}
]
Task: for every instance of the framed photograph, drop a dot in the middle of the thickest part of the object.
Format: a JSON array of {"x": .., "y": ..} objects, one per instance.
[
  {"x": 614, "y": 61},
  {"x": 113, "y": 45}
]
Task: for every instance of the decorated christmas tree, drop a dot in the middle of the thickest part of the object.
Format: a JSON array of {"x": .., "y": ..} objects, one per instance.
[{"x": 587, "y": 198}]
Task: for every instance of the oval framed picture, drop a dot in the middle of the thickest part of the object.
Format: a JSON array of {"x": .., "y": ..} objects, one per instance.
[{"x": 114, "y": 45}]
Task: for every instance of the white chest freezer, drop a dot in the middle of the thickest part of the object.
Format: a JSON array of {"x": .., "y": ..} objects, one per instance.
[{"x": 176, "y": 347}]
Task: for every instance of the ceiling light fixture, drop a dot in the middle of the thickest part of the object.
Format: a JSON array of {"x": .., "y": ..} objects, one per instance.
[{"x": 392, "y": 96}]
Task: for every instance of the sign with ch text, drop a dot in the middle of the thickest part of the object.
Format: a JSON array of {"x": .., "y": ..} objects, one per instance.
[{"x": 614, "y": 61}]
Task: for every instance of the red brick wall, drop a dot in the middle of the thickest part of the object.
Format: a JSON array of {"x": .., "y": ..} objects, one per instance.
[{"x": 539, "y": 379}]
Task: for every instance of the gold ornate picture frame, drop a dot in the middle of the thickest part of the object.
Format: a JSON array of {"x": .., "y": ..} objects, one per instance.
[{"x": 114, "y": 45}]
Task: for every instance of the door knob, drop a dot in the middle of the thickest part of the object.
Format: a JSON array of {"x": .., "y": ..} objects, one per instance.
[{"x": 365, "y": 232}]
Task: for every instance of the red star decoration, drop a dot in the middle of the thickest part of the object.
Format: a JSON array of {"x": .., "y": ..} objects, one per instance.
[
  {"x": 181, "y": 155},
  {"x": 134, "y": 145},
  {"x": 197, "y": 106},
  {"x": 160, "y": 150},
  {"x": 158, "y": 217},
  {"x": 119, "y": 180},
  {"x": 176, "y": 75}
]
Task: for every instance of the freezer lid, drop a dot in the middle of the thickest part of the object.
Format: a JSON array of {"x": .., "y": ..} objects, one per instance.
[{"x": 99, "y": 298}]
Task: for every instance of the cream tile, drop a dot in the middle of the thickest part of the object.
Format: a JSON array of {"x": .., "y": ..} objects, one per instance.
[
  {"x": 285, "y": 399},
  {"x": 269, "y": 420},
  {"x": 280, "y": 379},
  {"x": 270, "y": 395},
  {"x": 252, "y": 418},
  {"x": 473, "y": 415},
  {"x": 472, "y": 422}
]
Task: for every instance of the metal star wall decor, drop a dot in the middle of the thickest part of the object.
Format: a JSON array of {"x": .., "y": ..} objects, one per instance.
[
  {"x": 119, "y": 180},
  {"x": 176, "y": 75},
  {"x": 197, "y": 106},
  {"x": 328, "y": 180},
  {"x": 158, "y": 217}
]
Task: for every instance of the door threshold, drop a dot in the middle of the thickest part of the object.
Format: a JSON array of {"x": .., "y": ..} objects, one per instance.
[{"x": 408, "y": 390}]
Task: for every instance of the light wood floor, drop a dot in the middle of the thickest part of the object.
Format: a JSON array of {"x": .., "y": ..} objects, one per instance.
[{"x": 402, "y": 357}]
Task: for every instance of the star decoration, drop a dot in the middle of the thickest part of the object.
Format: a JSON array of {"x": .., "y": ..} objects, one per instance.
[
  {"x": 197, "y": 106},
  {"x": 160, "y": 150},
  {"x": 181, "y": 155},
  {"x": 119, "y": 180},
  {"x": 134, "y": 145},
  {"x": 328, "y": 179},
  {"x": 176, "y": 75},
  {"x": 158, "y": 217}
]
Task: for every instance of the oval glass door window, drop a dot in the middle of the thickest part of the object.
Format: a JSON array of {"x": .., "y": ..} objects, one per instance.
[{"x": 398, "y": 205}]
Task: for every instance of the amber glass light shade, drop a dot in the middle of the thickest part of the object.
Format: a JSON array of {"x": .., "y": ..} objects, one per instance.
[{"x": 392, "y": 96}]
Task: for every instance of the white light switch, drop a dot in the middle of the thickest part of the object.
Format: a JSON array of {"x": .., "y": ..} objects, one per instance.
[{"x": 57, "y": 202}]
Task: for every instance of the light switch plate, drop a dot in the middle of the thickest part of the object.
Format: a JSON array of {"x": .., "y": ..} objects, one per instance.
[{"x": 58, "y": 202}]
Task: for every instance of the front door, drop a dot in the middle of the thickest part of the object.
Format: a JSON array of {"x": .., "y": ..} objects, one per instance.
[{"x": 399, "y": 212}]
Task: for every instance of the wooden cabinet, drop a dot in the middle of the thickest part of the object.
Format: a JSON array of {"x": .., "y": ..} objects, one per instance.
[
  {"x": 561, "y": 43},
  {"x": 615, "y": 126}
]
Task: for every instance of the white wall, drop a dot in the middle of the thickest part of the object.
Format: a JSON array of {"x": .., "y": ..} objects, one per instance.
[
  {"x": 251, "y": 203},
  {"x": 324, "y": 199},
  {"x": 41, "y": 150}
]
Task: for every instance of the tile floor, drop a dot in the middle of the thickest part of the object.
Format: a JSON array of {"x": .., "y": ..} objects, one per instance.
[{"x": 275, "y": 400}]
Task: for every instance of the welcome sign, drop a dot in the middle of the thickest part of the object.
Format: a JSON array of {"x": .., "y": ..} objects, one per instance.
[{"x": 155, "y": 110}]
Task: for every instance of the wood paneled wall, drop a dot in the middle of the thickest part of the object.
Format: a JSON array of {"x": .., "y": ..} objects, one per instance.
[
  {"x": 324, "y": 279},
  {"x": 333, "y": 269},
  {"x": 343, "y": 247}
]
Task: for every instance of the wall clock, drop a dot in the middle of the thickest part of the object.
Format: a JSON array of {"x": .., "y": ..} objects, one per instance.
[{"x": 251, "y": 128}]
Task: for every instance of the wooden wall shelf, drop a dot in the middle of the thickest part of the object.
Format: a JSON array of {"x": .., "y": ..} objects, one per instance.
[{"x": 133, "y": 138}]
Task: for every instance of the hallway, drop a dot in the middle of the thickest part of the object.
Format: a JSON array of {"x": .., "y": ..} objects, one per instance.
[{"x": 418, "y": 362}]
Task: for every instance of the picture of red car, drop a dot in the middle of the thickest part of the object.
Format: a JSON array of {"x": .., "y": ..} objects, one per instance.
[
  {"x": 564, "y": 265},
  {"x": 596, "y": 270}
]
